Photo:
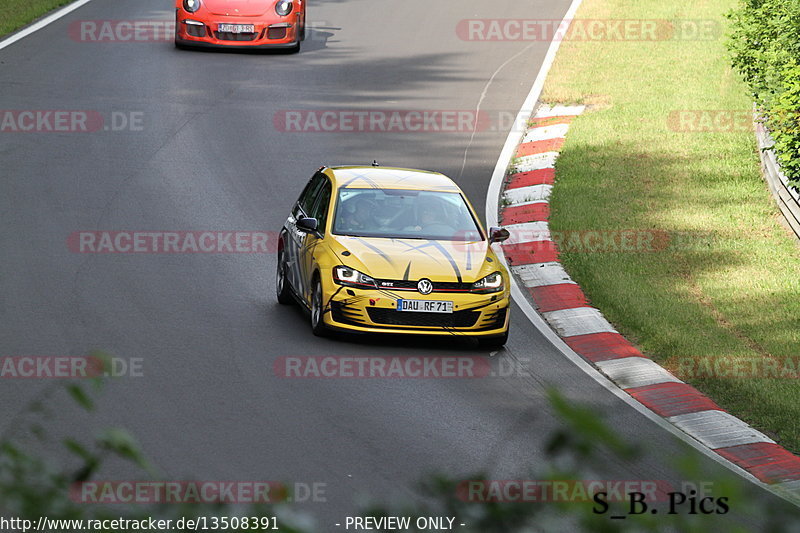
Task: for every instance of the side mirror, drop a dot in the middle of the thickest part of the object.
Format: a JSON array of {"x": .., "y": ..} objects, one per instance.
[
  {"x": 307, "y": 225},
  {"x": 497, "y": 234}
]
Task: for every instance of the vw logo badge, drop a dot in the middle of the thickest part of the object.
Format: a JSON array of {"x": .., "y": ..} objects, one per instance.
[{"x": 425, "y": 286}]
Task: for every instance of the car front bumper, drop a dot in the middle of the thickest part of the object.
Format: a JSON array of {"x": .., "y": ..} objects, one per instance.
[
  {"x": 374, "y": 311},
  {"x": 204, "y": 33}
]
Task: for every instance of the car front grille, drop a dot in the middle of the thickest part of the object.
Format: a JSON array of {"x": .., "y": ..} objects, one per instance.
[
  {"x": 494, "y": 320},
  {"x": 392, "y": 317},
  {"x": 228, "y": 36},
  {"x": 195, "y": 30},
  {"x": 276, "y": 33},
  {"x": 409, "y": 285},
  {"x": 346, "y": 314}
]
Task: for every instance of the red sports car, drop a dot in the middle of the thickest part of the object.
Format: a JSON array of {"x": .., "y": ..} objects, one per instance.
[{"x": 240, "y": 23}]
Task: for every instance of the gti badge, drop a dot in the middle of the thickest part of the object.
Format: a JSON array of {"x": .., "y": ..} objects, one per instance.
[{"x": 425, "y": 286}]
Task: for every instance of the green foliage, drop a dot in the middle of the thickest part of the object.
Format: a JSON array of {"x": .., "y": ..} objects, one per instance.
[
  {"x": 31, "y": 487},
  {"x": 36, "y": 484},
  {"x": 16, "y": 13},
  {"x": 765, "y": 45}
]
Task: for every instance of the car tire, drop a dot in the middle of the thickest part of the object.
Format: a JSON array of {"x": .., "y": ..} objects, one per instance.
[
  {"x": 317, "y": 310},
  {"x": 494, "y": 342},
  {"x": 282, "y": 288}
]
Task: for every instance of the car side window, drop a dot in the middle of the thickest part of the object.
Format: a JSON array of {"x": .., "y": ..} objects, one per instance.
[
  {"x": 321, "y": 207},
  {"x": 310, "y": 193}
]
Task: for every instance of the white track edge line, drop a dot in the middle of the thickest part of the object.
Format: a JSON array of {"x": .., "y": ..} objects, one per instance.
[
  {"x": 36, "y": 26},
  {"x": 492, "y": 198}
]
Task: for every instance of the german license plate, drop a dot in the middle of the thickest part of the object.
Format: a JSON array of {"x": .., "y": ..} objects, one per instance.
[
  {"x": 236, "y": 28},
  {"x": 425, "y": 306}
]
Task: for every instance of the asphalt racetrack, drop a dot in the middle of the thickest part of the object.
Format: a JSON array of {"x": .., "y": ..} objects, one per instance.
[{"x": 199, "y": 141}]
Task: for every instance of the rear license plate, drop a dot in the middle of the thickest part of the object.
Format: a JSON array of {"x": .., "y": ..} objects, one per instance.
[
  {"x": 236, "y": 28},
  {"x": 425, "y": 306}
]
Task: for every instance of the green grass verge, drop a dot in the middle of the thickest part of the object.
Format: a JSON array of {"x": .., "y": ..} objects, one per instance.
[
  {"x": 15, "y": 14},
  {"x": 727, "y": 290}
]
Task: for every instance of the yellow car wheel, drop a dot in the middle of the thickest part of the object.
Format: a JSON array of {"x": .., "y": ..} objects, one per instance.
[
  {"x": 317, "y": 310},
  {"x": 281, "y": 283}
]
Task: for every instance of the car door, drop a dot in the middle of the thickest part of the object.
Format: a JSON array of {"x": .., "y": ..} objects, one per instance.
[
  {"x": 312, "y": 243},
  {"x": 295, "y": 239}
]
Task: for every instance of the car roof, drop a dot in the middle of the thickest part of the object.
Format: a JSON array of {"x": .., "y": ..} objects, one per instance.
[{"x": 370, "y": 177}]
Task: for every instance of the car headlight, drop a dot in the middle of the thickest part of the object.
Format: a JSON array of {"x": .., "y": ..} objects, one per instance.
[
  {"x": 283, "y": 7},
  {"x": 351, "y": 277},
  {"x": 191, "y": 5},
  {"x": 491, "y": 283}
]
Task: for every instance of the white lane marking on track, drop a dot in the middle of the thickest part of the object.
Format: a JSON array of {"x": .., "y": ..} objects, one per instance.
[
  {"x": 718, "y": 429},
  {"x": 480, "y": 102},
  {"x": 578, "y": 321},
  {"x": 542, "y": 274},
  {"x": 531, "y": 202},
  {"x": 630, "y": 372},
  {"x": 24, "y": 32},
  {"x": 545, "y": 111},
  {"x": 528, "y": 232},
  {"x": 546, "y": 133},
  {"x": 528, "y": 195},
  {"x": 788, "y": 489},
  {"x": 535, "y": 162}
]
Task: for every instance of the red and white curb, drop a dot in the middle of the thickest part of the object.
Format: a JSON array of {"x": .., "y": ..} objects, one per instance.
[{"x": 533, "y": 258}]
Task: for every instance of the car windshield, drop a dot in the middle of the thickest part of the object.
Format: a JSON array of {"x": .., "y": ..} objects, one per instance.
[{"x": 404, "y": 214}]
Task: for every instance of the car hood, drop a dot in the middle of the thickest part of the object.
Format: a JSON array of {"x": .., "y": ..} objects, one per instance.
[
  {"x": 243, "y": 8},
  {"x": 413, "y": 259}
]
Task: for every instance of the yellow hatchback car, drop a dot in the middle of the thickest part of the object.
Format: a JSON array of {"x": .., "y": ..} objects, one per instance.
[{"x": 373, "y": 249}]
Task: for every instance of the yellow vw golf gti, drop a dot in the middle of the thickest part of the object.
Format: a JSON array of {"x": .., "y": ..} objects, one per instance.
[{"x": 389, "y": 250}]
